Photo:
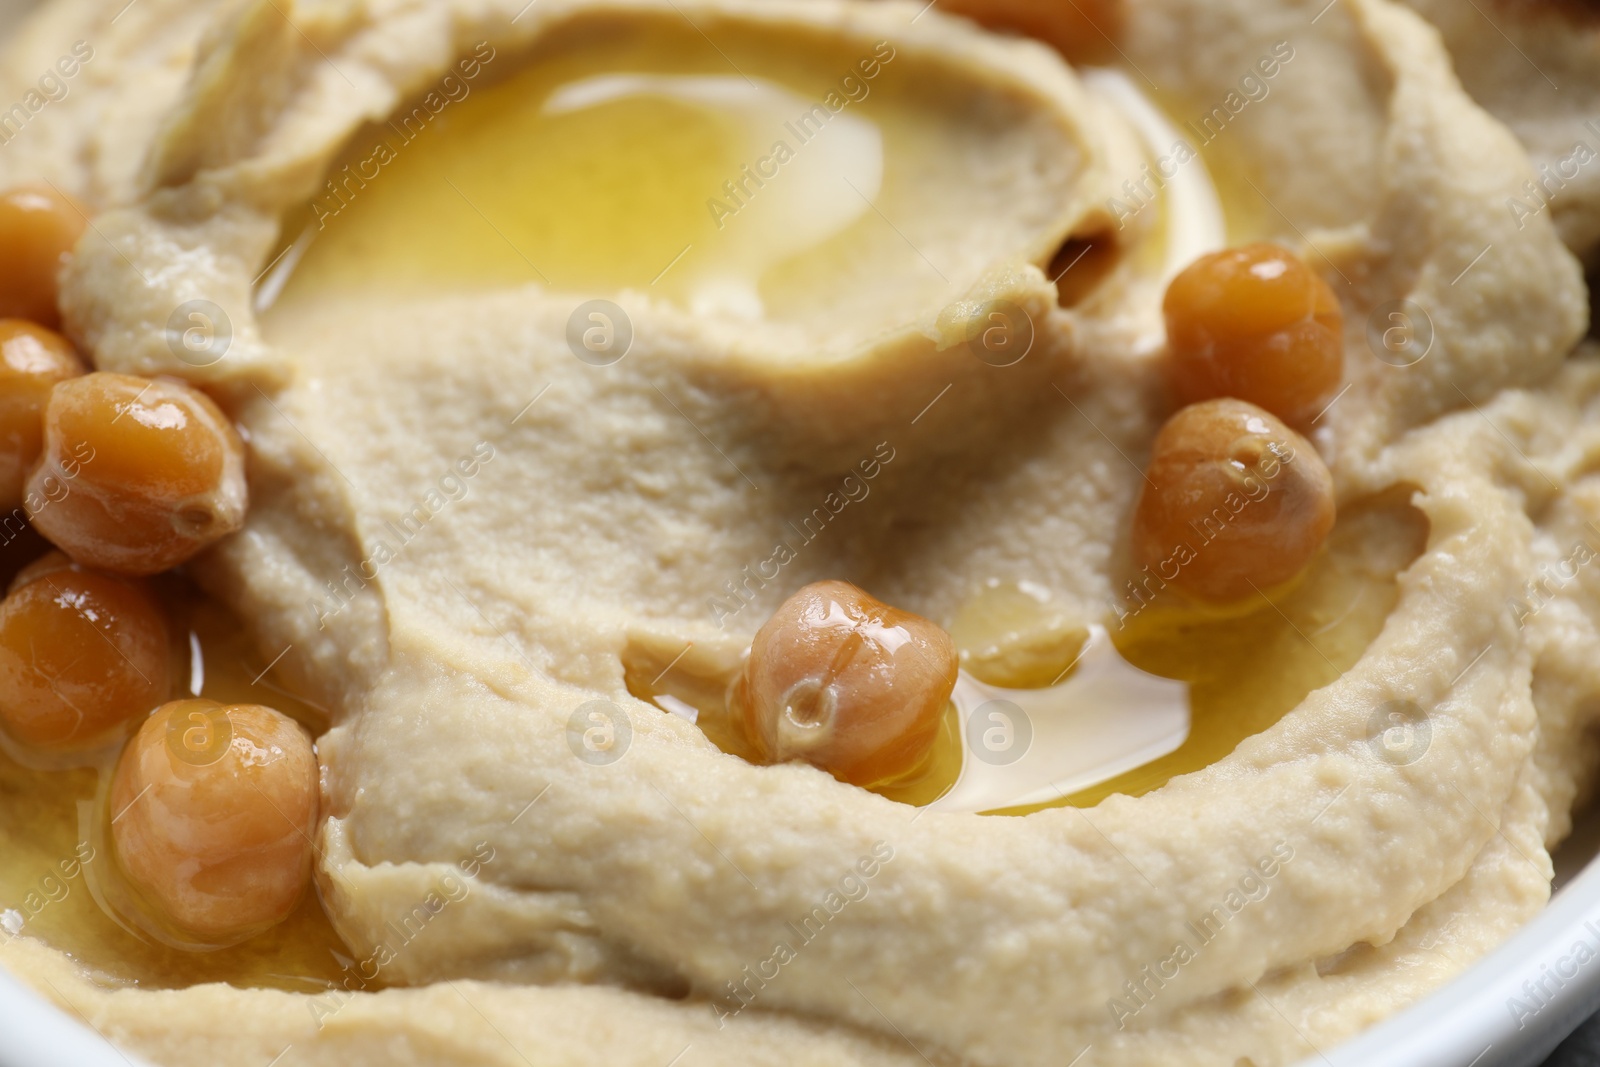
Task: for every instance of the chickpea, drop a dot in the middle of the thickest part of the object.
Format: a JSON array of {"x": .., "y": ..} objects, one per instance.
[
  {"x": 52, "y": 560},
  {"x": 1235, "y": 501},
  {"x": 155, "y": 469},
  {"x": 847, "y": 683},
  {"x": 212, "y": 809},
  {"x": 1083, "y": 31},
  {"x": 32, "y": 359},
  {"x": 1258, "y": 324},
  {"x": 38, "y": 227},
  {"x": 81, "y": 654}
]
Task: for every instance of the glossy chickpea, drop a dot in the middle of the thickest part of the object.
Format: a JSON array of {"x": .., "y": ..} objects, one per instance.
[
  {"x": 213, "y": 810},
  {"x": 32, "y": 360},
  {"x": 81, "y": 654},
  {"x": 1084, "y": 31},
  {"x": 1257, "y": 324},
  {"x": 1234, "y": 502},
  {"x": 38, "y": 227},
  {"x": 156, "y": 472},
  {"x": 847, "y": 683}
]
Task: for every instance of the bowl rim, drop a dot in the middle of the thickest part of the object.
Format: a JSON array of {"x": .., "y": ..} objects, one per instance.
[
  {"x": 1473, "y": 1020},
  {"x": 39, "y": 1034}
]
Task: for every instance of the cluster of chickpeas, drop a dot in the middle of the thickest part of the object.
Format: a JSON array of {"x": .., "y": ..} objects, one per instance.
[
  {"x": 211, "y": 807},
  {"x": 1235, "y": 504}
]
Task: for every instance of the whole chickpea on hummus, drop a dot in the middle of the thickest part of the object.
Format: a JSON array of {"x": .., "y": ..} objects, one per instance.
[{"x": 838, "y": 532}]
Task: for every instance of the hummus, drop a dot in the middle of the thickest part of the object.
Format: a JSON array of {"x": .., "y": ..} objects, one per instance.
[
  {"x": 1536, "y": 66},
  {"x": 462, "y": 533}
]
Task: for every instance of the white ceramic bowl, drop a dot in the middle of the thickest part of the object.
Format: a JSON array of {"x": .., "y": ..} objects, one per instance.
[
  {"x": 1483, "y": 1018},
  {"x": 1467, "y": 1023},
  {"x": 34, "y": 1034}
]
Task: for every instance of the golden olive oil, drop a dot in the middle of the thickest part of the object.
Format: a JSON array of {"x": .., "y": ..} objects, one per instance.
[
  {"x": 1245, "y": 668},
  {"x": 1245, "y": 672},
  {"x": 651, "y": 162},
  {"x": 47, "y": 860}
]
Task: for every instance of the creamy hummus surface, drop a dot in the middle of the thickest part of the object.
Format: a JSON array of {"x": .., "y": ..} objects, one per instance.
[
  {"x": 1546, "y": 87},
  {"x": 463, "y": 533}
]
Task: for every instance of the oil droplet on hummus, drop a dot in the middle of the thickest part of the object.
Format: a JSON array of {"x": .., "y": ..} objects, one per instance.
[
  {"x": 692, "y": 187},
  {"x": 1013, "y": 635}
]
